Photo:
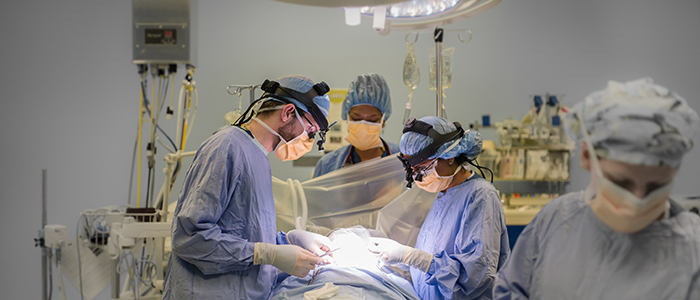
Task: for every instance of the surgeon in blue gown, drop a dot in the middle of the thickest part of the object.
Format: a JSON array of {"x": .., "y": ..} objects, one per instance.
[
  {"x": 621, "y": 238},
  {"x": 463, "y": 241},
  {"x": 367, "y": 107},
  {"x": 224, "y": 239}
]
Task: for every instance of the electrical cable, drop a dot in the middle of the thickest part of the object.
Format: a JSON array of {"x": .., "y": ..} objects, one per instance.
[
  {"x": 480, "y": 168},
  {"x": 145, "y": 103},
  {"x": 153, "y": 97},
  {"x": 142, "y": 104},
  {"x": 164, "y": 145},
  {"x": 131, "y": 174},
  {"x": 153, "y": 186},
  {"x": 194, "y": 112},
  {"x": 172, "y": 89},
  {"x": 154, "y": 116},
  {"x": 186, "y": 109},
  {"x": 168, "y": 137},
  {"x": 148, "y": 186}
]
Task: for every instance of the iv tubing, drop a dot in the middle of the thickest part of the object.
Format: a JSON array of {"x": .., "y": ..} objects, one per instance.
[
  {"x": 153, "y": 97},
  {"x": 179, "y": 114},
  {"x": 138, "y": 186},
  {"x": 190, "y": 122},
  {"x": 185, "y": 114},
  {"x": 172, "y": 89}
]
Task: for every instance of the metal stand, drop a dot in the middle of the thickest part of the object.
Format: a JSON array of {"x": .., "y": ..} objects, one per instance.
[
  {"x": 239, "y": 88},
  {"x": 437, "y": 37},
  {"x": 171, "y": 160},
  {"x": 40, "y": 240},
  {"x": 438, "y": 34}
]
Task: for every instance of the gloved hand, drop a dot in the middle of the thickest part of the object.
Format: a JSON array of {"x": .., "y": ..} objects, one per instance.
[
  {"x": 391, "y": 252},
  {"x": 288, "y": 258},
  {"x": 313, "y": 242}
]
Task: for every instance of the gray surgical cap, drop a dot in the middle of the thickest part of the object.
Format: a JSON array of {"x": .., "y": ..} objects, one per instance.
[
  {"x": 636, "y": 122},
  {"x": 368, "y": 89},
  {"x": 303, "y": 84},
  {"x": 469, "y": 145}
]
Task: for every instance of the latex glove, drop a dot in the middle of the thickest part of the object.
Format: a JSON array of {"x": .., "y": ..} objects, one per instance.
[
  {"x": 391, "y": 252},
  {"x": 313, "y": 242},
  {"x": 288, "y": 258}
]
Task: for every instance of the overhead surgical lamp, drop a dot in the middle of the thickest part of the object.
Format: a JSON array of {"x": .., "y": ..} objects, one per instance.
[{"x": 391, "y": 15}]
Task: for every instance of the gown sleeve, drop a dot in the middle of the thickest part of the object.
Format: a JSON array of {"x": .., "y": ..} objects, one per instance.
[{"x": 207, "y": 192}]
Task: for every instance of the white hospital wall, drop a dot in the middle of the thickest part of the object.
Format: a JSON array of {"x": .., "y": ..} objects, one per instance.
[{"x": 70, "y": 92}]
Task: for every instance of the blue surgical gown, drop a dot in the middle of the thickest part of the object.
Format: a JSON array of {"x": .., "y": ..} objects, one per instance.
[
  {"x": 336, "y": 159},
  {"x": 224, "y": 208},
  {"x": 465, "y": 230},
  {"x": 566, "y": 252}
]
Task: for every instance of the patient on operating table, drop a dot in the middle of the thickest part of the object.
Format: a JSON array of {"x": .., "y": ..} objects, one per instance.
[{"x": 351, "y": 272}]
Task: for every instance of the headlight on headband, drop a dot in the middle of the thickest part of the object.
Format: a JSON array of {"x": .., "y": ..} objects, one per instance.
[{"x": 424, "y": 128}]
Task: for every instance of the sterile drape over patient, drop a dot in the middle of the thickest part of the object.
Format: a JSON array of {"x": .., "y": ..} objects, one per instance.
[
  {"x": 354, "y": 274},
  {"x": 354, "y": 196}
]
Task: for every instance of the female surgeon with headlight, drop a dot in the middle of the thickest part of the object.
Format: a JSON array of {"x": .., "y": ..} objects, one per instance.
[
  {"x": 367, "y": 107},
  {"x": 621, "y": 238},
  {"x": 463, "y": 241}
]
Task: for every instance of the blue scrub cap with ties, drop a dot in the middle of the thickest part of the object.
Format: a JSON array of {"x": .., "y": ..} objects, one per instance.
[{"x": 469, "y": 145}]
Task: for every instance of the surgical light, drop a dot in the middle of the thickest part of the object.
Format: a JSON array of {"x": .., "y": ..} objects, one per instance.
[
  {"x": 414, "y": 9},
  {"x": 405, "y": 15}
]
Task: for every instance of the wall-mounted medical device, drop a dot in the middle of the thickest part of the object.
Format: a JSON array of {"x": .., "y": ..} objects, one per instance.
[{"x": 161, "y": 31}]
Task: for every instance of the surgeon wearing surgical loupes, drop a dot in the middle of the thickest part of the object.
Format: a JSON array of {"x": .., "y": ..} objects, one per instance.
[
  {"x": 367, "y": 107},
  {"x": 224, "y": 239},
  {"x": 621, "y": 238},
  {"x": 463, "y": 241}
]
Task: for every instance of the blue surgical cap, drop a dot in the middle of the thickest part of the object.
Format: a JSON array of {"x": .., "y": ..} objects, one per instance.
[
  {"x": 636, "y": 122},
  {"x": 303, "y": 84},
  {"x": 368, "y": 89},
  {"x": 469, "y": 145}
]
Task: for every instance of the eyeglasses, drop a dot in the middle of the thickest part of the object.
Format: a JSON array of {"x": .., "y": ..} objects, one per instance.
[
  {"x": 424, "y": 166},
  {"x": 312, "y": 129}
]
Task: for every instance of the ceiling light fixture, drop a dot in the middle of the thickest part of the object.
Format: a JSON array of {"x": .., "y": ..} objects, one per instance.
[{"x": 405, "y": 15}]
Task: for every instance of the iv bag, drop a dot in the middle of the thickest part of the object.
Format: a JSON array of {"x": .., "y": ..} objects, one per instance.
[
  {"x": 411, "y": 73},
  {"x": 232, "y": 116},
  {"x": 411, "y": 77},
  {"x": 447, "y": 55}
]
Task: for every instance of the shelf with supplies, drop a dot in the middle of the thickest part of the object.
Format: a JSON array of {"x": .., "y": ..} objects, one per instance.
[
  {"x": 527, "y": 165},
  {"x": 505, "y": 186}
]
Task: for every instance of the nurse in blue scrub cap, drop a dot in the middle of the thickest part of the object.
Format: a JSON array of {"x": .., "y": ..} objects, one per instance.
[
  {"x": 225, "y": 243},
  {"x": 621, "y": 238},
  {"x": 463, "y": 241},
  {"x": 367, "y": 107}
]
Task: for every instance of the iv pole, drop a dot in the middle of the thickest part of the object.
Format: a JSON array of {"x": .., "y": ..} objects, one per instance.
[
  {"x": 438, "y": 34},
  {"x": 239, "y": 88}
]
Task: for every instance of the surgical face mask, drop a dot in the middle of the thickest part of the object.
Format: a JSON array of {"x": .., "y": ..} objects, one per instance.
[
  {"x": 364, "y": 135},
  {"x": 295, "y": 148},
  {"x": 617, "y": 207},
  {"x": 432, "y": 182}
]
